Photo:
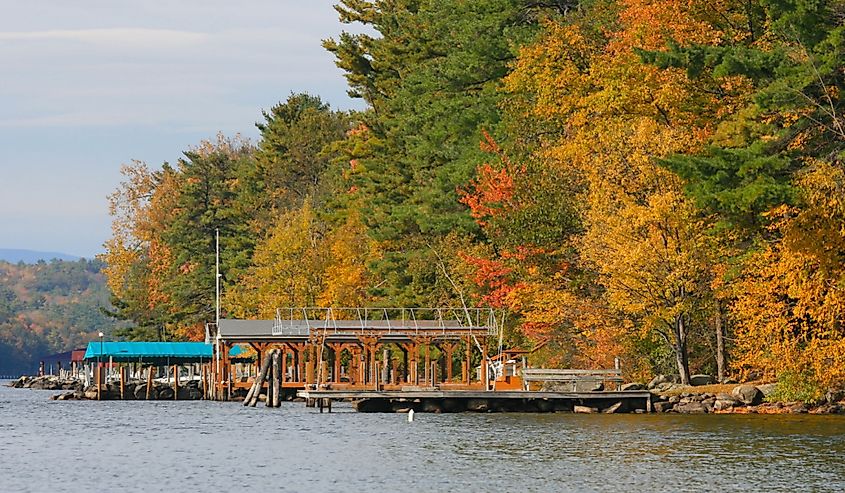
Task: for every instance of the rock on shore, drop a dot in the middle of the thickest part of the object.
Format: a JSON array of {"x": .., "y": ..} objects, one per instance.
[
  {"x": 742, "y": 399},
  {"x": 133, "y": 390},
  {"x": 46, "y": 382}
]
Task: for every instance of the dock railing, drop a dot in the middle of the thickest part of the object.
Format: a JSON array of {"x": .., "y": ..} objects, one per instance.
[
  {"x": 573, "y": 376},
  {"x": 389, "y": 321}
]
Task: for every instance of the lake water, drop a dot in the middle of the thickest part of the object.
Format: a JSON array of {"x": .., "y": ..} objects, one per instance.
[{"x": 58, "y": 446}]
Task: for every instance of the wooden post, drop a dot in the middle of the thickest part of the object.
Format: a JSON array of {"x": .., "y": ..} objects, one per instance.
[
  {"x": 385, "y": 361},
  {"x": 175, "y": 382},
  {"x": 122, "y": 382},
  {"x": 415, "y": 377},
  {"x": 149, "y": 381},
  {"x": 202, "y": 381},
  {"x": 468, "y": 362},
  {"x": 449, "y": 350},
  {"x": 277, "y": 378},
  {"x": 227, "y": 371},
  {"x": 428, "y": 377},
  {"x": 300, "y": 363},
  {"x": 270, "y": 371},
  {"x": 259, "y": 382},
  {"x": 310, "y": 368},
  {"x": 484, "y": 369},
  {"x": 406, "y": 378},
  {"x": 338, "y": 353},
  {"x": 99, "y": 384}
]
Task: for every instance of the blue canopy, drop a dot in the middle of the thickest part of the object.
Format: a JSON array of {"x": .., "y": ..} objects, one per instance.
[{"x": 153, "y": 352}]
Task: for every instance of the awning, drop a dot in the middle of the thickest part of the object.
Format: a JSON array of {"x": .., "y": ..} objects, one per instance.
[{"x": 153, "y": 352}]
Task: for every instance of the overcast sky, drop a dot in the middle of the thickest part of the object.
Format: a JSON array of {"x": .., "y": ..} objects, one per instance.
[{"x": 90, "y": 84}]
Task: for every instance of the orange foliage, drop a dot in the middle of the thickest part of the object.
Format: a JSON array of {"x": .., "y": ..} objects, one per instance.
[
  {"x": 492, "y": 192},
  {"x": 790, "y": 302}
]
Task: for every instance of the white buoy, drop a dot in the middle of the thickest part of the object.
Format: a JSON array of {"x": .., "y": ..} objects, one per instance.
[{"x": 411, "y": 416}]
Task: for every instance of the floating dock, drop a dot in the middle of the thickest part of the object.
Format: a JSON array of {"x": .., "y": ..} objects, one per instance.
[{"x": 483, "y": 401}]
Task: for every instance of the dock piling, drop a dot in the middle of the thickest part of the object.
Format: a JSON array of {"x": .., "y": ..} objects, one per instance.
[{"x": 277, "y": 378}]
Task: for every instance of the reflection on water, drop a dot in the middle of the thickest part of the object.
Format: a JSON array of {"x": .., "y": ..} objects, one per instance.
[{"x": 179, "y": 446}]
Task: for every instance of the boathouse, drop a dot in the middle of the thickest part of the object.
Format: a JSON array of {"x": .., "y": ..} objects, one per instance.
[{"x": 361, "y": 348}]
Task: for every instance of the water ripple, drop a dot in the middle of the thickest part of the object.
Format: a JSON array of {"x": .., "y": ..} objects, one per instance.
[{"x": 177, "y": 446}]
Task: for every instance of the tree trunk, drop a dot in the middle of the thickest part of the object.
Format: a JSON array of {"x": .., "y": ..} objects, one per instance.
[
  {"x": 720, "y": 346},
  {"x": 681, "y": 356}
]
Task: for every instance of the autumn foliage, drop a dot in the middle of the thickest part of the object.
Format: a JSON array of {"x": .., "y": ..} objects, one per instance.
[{"x": 658, "y": 181}]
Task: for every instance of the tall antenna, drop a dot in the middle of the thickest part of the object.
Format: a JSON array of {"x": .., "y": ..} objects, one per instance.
[{"x": 217, "y": 277}]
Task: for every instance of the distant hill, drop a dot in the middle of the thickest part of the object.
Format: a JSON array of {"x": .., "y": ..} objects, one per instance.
[
  {"x": 14, "y": 256},
  {"x": 47, "y": 308}
]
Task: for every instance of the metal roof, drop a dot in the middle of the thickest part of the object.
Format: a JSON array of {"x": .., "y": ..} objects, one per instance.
[
  {"x": 233, "y": 330},
  {"x": 230, "y": 328},
  {"x": 153, "y": 352}
]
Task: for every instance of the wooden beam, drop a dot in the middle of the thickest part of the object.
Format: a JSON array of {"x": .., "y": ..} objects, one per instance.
[
  {"x": 122, "y": 382},
  {"x": 149, "y": 381},
  {"x": 277, "y": 378}
]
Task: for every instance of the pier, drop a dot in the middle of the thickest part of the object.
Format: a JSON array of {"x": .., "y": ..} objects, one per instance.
[
  {"x": 399, "y": 359},
  {"x": 484, "y": 401},
  {"x": 360, "y": 349}
]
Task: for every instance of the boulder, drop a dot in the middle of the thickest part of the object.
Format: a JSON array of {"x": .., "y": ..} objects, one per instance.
[
  {"x": 691, "y": 408},
  {"x": 747, "y": 394},
  {"x": 584, "y": 410},
  {"x": 141, "y": 392},
  {"x": 667, "y": 387},
  {"x": 657, "y": 380},
  {"x": 767, "y": 388},
  {"x": 589, "y": 386},
  {"x": 697, "y": 380},
  {"x": 632, "y": 386},
  {"x": 663, "y": 407},
  {"x": 823, "y": 409},
  {"x": 832, "y": 396},
  {"x": 724, "y": 404},
  {"x": 796, "y": 408}
]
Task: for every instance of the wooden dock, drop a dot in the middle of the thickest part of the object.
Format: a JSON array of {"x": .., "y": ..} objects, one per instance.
[{"x": 483, "y": 401}]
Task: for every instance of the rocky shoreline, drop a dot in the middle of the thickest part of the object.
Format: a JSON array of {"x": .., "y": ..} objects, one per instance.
[
  {"x": 133, "y": 390},
  {"x": 667, "y": 396}
]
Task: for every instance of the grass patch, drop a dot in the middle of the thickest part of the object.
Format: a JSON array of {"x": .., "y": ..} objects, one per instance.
[{"x": 702, "y": 389}]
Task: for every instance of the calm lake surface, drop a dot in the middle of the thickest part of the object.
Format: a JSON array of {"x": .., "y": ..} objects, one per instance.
[{"x": 56, "y": 446}]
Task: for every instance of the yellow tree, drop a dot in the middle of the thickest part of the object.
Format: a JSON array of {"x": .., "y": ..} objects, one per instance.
[
  {"x": 287, "y": 268},
  {"x": 346, "y": 275},
  {"x": 614, "y": 116},
  {"x": 138, "y": 260},
  {"x": 791, "y": 299}
]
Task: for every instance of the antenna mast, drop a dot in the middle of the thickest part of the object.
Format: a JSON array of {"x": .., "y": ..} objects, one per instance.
[{"x": 217, "y": 277}]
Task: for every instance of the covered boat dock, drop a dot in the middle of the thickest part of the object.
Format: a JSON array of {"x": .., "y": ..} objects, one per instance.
[
  {"x": 361, "y": 349},
  {"x": 126, "y": 360}
]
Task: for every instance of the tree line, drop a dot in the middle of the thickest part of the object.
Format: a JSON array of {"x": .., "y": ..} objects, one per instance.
[
  {"x": 49, "y": 307},
  {"x": 656, "y": 180}
]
